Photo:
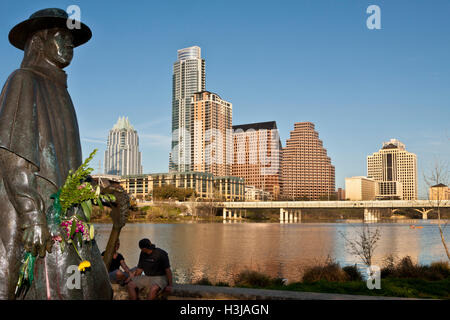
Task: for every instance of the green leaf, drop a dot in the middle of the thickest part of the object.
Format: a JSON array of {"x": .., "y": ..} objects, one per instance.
[
  {"x": 91, "y": 232},
  {"x": 100, "y": 204},
  {"x": 87, "y": 209},
  {"x": 62, "y": 246},
  {"x": 79, "y": 239},
  {"x": 73, "y": 228}
]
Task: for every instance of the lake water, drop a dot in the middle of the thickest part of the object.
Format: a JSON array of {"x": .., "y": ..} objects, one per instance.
[{"x": 221, "y": 250}]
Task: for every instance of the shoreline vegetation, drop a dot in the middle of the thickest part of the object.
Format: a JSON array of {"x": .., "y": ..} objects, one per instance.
[
  {"x": 402, "y": 279},
  {"x": 179, "y": 212}
]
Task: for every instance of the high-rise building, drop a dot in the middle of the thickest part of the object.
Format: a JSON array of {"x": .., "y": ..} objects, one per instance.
[
  {"x": 340, "y": 193},
  {"x": 395, "y": 171},
  {"x": 439, "y": 192},
  {"x": 122, "y": 156},
  {"x": 188, "y": 78},
  {"x": 211, "y": 134},
  {"x": 360, "y": 188},
  {"x": 306, "y": 170},
  {"x": 256, "y": 156}
]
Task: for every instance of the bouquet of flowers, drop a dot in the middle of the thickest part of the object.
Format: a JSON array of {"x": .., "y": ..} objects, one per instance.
[{"x": 69, "y": 218}]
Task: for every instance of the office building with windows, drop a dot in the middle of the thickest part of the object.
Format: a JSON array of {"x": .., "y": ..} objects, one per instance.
[
  {"x": 306, "y": 170},
  {"x": 211, "y": 134},
  {"x": 395, "y": 171},
  {"x": 122, "y": 155},
  {"x": 256, "y": 156},
  {"x": 188, "y": 78}
]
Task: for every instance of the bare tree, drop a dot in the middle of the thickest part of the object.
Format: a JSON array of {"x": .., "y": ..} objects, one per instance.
[
  {"x": 364, "y": 244},
  {"x": 438, "y": 177}
]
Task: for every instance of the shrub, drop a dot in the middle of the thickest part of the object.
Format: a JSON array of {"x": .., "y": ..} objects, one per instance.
[
  {"x": 222, "y": 284},
  {"x": 248, "y": 278},
  {"x": 204, "y": 281},
  {"x": 278, "y": 282},
  {"x": 388, "y": 268},
  {"x": 353, "y": 273},
  {"x": 406, "y": 268},
  {"x": 329, "y": 272},
  {"x": 441, "y": 267}
]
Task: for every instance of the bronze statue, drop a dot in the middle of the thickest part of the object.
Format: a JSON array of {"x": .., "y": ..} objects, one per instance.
[{"x": 39, "y": 144}]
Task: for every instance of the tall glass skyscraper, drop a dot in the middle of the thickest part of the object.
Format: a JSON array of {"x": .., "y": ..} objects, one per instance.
[
  {"x": 122, "y": 156},
  {"x": 188, "y": 78}
]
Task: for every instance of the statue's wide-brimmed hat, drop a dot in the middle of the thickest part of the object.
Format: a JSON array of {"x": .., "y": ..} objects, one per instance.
[{"x": 47, "y": 19}]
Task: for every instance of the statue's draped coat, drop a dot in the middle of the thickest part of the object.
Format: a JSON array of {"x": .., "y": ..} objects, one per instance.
[{"x": 38, "y": 123}]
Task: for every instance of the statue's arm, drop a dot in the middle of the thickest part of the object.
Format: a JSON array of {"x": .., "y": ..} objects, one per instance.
[{"x": 20, "y": 184}]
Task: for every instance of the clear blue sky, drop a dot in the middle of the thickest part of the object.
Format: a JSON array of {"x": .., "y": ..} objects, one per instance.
[{"x": 287, "y": 61}]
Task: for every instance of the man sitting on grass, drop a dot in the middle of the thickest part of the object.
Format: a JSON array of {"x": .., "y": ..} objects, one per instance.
[{"x": 154, "y": 262}]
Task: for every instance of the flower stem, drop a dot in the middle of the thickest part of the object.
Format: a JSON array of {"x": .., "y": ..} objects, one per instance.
[{"x": 73, "y": 244}]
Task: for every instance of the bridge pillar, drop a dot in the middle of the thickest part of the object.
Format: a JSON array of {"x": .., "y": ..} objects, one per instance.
[
  {"x": 224, "y": 212},
  {"x": 291, "y": 215},
  {"x": 234, "y": 214},
  {"x": 371, "y": 214},
  {"x": 425, "y": 215},
  {"x": 240, "y": 214},
  {"x": 298, "y": 215},
  {"x": 230, "y": 214},
  {"x": 283, "y": 215}
]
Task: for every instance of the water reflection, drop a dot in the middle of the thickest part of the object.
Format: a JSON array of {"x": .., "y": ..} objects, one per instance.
[{"x": 220, "y": 251}]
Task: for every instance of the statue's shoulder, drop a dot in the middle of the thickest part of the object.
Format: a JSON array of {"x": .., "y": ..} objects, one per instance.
[{"x": 21, "y": 75}]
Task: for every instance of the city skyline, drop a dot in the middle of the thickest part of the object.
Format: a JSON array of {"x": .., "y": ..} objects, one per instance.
[{"x": 359, "y": 87}]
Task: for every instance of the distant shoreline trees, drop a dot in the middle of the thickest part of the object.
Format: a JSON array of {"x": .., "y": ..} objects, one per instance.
[{"x": 171, "y": 192}]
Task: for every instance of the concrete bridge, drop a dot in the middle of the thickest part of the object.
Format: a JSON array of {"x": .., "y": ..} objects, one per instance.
[{"x": 290, "y": 211}]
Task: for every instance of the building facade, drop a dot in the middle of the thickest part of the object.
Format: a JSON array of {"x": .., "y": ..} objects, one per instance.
[
  {"x": 340, "y": 194},
  {"x": 360, "y": 188},
  {"x": 439, "y": 192},
  {"x": 122, "y": 155},
  {"x": 306, "y": 170},
  {"x": 395, "y": 171},
  {"x": 254, "y": 194},
  {"x": 188, "y": 78},
  {"x": 204, "y": 184},
  {"x": 211, "y": 134},
  {"x": 256, "y": 156}
]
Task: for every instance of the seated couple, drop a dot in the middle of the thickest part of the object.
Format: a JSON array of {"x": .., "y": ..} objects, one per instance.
[{"x": 154, "y": 262}]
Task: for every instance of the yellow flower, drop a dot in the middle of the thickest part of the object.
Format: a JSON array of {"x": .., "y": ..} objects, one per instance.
[{"x": 84, "y": 265}]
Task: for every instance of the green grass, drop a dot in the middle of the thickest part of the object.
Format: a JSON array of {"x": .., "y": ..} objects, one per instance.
[
  {"x": 404, "y": 280},
  {"x": 392, "y": 287}
]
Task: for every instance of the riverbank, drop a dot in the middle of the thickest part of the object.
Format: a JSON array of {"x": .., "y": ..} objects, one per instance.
[
  {"x": 324, "y": 282},
  {"x": 403, "y": 279},
  {"x": 179, "y": 212}
]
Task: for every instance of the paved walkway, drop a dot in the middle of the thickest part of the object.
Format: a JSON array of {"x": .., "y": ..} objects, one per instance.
[
  {"x": 227, "y": 293},
  {"x": 188, "y": 291}
]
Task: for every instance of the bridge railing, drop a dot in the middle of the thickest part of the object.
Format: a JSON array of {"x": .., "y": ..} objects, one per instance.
[{"x": 336, "y": 204}]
